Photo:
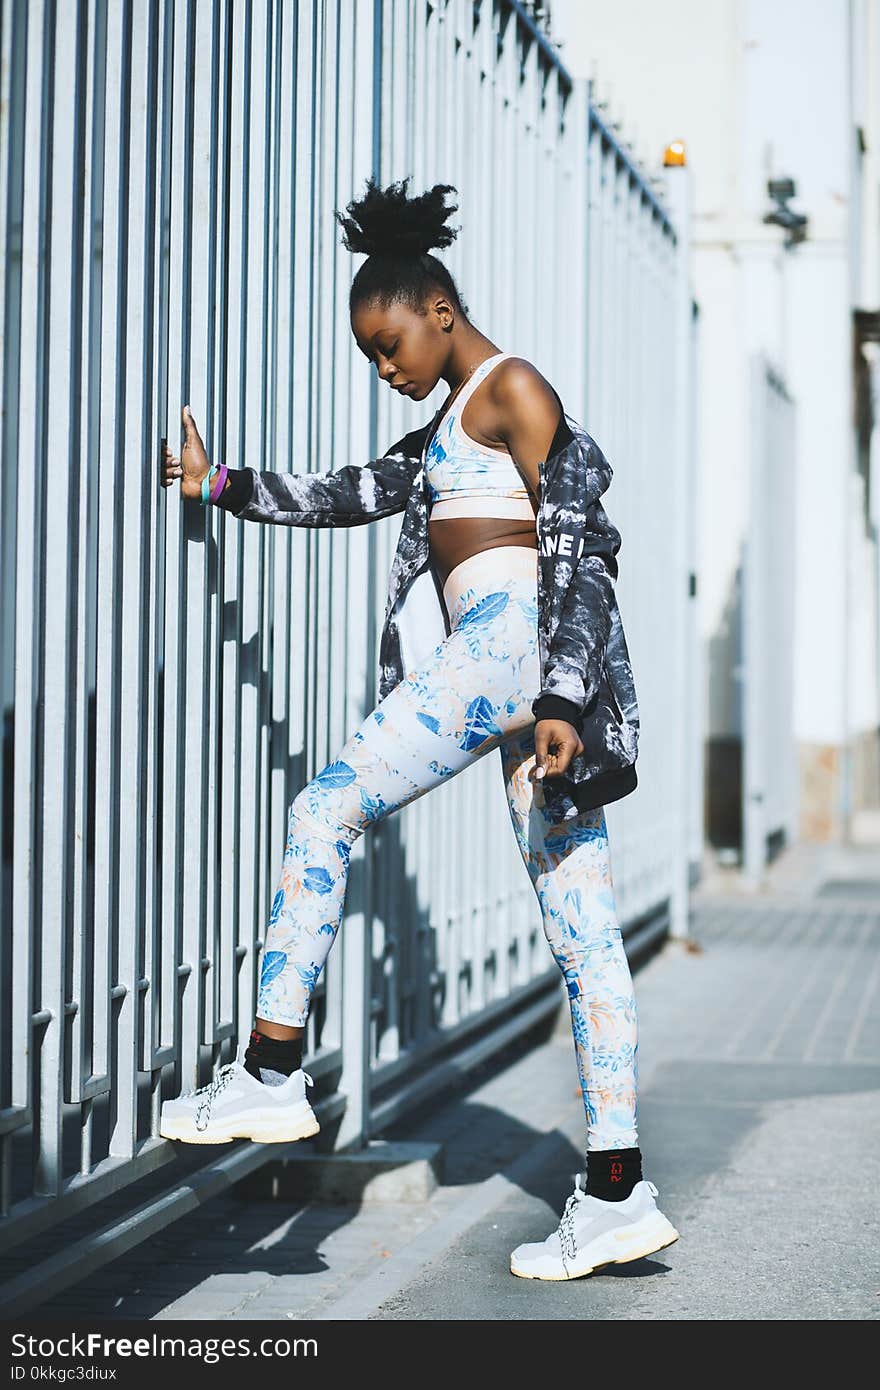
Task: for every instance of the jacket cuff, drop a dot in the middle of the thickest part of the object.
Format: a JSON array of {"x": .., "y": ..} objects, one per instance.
[
  {"x": 556, "y": 707},
  {"x": 238, "y": 491}
]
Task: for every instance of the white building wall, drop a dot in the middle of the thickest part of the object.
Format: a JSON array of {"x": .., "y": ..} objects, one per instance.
[{"x": 758, "y": 90}]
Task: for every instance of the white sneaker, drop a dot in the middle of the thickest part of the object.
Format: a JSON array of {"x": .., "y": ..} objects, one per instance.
[
  {"x": 235, "y": 1105},
  {"x": 593, "y": 1233}
]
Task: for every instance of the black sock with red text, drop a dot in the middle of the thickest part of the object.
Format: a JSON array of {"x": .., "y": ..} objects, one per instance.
[
  {"x": 271, "y": 1060},
  {"x": 613, "y": 1173}
]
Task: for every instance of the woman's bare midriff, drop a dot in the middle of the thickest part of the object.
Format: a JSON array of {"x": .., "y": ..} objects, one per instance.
[{"x": 454, "y": 539}]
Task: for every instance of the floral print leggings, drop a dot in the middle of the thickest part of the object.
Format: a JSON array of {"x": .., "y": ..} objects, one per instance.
[{"x": 473, "y": 695}]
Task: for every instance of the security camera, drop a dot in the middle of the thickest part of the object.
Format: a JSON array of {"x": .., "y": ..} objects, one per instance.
[{"x": 794, "y": 223}]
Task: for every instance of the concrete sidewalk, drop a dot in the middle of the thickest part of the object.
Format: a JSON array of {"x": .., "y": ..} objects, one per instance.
[{"x": 759, "y": 1115}]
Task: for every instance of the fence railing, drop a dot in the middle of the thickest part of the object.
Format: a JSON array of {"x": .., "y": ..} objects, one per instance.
[{"x": 171, "y": 677}]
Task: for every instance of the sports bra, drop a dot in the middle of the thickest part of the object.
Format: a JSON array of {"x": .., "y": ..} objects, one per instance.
[{"x": 469, "y": 479}]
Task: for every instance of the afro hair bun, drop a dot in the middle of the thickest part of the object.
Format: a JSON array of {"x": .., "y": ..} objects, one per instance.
[{"x": 386, "y": 222}]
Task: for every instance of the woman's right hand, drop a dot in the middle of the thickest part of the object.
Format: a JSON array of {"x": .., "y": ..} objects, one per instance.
[{"x": 193, "y": 464}]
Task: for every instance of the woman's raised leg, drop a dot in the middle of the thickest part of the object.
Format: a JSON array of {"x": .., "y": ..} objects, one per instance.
[
  {"x": 459, "y": 706},
  {"x": 471, "y": 694}
]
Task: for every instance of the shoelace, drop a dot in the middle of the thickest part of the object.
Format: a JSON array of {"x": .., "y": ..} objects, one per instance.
[
  {"x": 213, "y": 1088},
  {"x": 565, "y": 1230},
  {"x": 566, "y": 1226},
  {"x": 210, "y": 1091}
]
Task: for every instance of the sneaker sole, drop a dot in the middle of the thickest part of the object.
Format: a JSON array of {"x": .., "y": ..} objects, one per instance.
[
  {"x": 644, "y": 1239},
  {"x": 272, "y": 1133}
]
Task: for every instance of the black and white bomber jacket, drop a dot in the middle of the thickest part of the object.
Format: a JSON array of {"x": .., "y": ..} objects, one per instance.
[{"x": 586, "y": 674}]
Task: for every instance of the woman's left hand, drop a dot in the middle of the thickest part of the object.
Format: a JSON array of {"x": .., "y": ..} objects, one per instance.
[{"x": 556, "y": 743}]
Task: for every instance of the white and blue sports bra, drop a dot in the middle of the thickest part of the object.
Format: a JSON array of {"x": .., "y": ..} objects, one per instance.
[{"x": 470, "y": 479}]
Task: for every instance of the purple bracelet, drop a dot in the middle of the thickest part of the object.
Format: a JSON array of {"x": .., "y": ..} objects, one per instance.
[{"x": 220, "y": 484}]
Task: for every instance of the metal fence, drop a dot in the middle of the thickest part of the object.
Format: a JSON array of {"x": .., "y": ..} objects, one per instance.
[
  {"x": 766, "y": 671},
  {"x": 171, "y": 677}
]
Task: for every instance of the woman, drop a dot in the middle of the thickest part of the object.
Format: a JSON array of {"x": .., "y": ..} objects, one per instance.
[{"x": 480, "y": 462}]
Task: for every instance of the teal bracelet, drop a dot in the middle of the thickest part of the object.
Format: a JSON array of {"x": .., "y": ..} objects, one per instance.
[{"x": 207, "y": 481}]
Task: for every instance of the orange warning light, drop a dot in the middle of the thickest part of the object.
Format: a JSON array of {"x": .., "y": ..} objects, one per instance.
[{"x": 675, "y": 153}]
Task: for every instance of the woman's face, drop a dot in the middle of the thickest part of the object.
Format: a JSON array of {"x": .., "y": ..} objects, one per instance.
[{"x": 409, "y": 349}]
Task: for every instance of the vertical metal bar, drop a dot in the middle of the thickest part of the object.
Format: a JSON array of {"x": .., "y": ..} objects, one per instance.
[
  {"x": 203, "y": 50},
  {"x": 157, "y": 1033},
  {"x": 19, "y": 136},
  {"x": 354, "y": 967},
  {"x": 133, "y": 593},
  {"x": 177, "y": 970},
  {"x": 51, "y": 620}
]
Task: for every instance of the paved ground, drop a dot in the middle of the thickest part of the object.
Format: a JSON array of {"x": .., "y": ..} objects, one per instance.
[{"x": 759, "y": 1070}]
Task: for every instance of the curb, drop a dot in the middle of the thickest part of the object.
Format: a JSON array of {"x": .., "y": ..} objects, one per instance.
[{"x": 383, "y": 1171}]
